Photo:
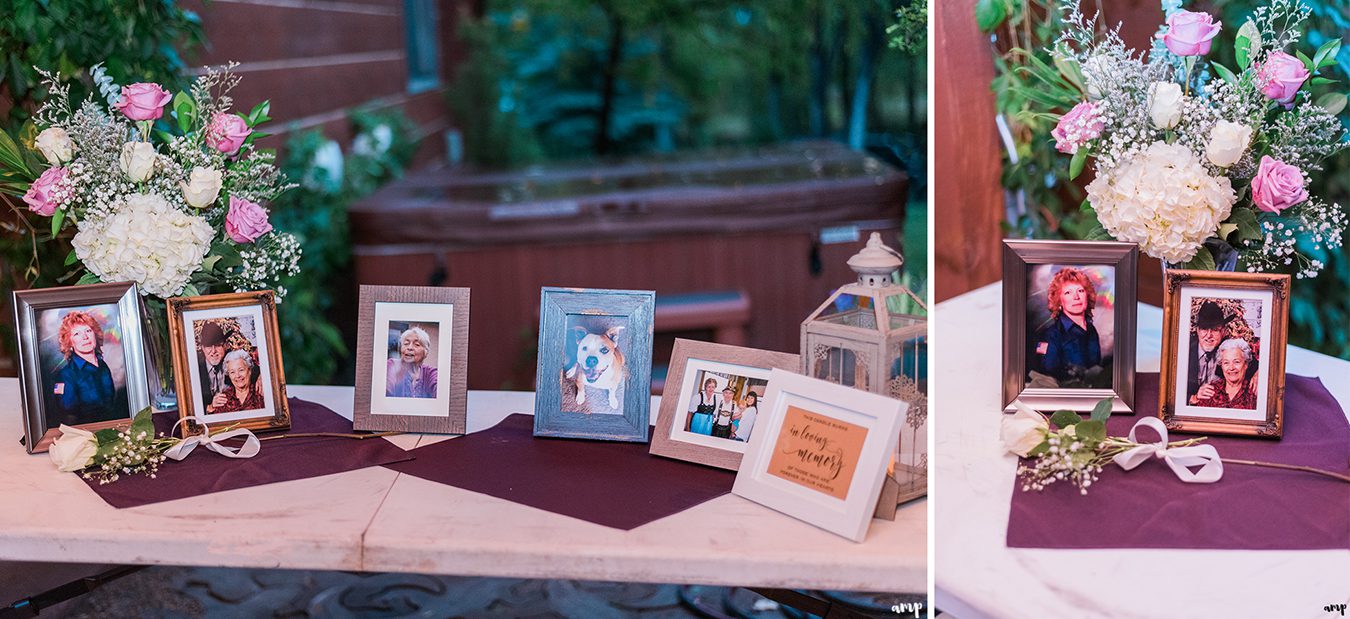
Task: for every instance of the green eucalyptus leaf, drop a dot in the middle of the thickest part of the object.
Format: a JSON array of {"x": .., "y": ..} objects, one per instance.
[
  {"x": 1247, "y": 44},
  {"x": 1332, "y": 102},
  {"x": 87, "y": 278},
  {"x": 1323, "y": 81},
  {"x": 1086, "y": 207},
  {"x": 71, "y": 258},
  {"x": 1307, "y": 62},
  {"x": 58, "y": 218},
  {"x": 1078, "y": 162},
  {"x": 1102, "y": 411},
  {"x": 1326, "y": 55},
  {"x": 989, "y": 14},
  {"x": 1224, "y": 73},
  {"x": 1094, "y": 429},
  {"x": 1203, "y": 261},
  {"x": 1065, "y": 419}
]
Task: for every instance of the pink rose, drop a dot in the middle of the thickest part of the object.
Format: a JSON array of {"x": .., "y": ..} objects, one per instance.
[
  {"x": 143, "y": 101},
  {"x": 1280, "y": 77},
  {"x": 1190, "y": 34},
  {"x": 48, "y": 191},
  {"x": 246, "y": 221},
  {"x": 227, "y": 133},
  {"x": 1277, "y": 186},
  {"x": 1082, "y": 124}
]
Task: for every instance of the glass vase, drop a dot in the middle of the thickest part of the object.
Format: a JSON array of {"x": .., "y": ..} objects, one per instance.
[{"x": 159, "y": 356}]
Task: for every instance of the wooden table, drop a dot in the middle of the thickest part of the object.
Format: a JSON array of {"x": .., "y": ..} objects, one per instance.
[
  {"x": 375, "y": 519},
  {"x": 977, "y": 575}
]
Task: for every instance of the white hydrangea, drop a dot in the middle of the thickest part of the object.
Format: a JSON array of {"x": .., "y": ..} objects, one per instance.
[
  {"x": 146, "y": 240},
  {"x": 1163, "y": 199}
]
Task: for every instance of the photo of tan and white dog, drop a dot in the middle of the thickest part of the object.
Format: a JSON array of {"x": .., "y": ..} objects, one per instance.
[{"x": 597, "y": 362}]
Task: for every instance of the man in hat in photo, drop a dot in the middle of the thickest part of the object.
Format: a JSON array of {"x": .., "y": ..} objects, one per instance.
[{"x": 211, "y": 365}]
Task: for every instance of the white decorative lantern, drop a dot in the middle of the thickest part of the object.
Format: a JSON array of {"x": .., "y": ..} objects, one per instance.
[{"x": 866, "y": 337}]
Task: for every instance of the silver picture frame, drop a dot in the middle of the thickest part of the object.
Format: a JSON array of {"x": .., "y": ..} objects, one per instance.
[
  {"x": 131, "y": 318},
  {"x": 1018, "y": 255}
]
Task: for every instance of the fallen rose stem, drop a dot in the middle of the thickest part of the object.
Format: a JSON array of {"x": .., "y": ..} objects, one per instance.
[
  {"x": 1291, "y": 467},
  {"x": 333, "y": 434}
]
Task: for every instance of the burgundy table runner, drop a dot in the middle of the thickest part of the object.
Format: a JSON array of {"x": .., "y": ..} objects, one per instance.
[
  {"x": 204, "y": 471},
  {"x": 1251, "y": 508},
  {"x": 614, "y": 484}
]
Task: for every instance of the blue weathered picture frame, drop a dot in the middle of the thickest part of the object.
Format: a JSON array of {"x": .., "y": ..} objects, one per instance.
[{"x": 575, "y": 326}]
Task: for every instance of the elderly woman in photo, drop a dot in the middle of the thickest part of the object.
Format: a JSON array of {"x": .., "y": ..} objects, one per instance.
[
  {"x": 408, "y": 375},
  {"x": 1233, "y": 389},
  {"x": 243, "y": 392},
  {"x": 1067, "y": 347},
  {"x": 83, "y": 386}
]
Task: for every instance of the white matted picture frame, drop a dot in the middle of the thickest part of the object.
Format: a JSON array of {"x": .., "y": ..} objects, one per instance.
[
  {"x": 821, "y": 452},
  {"x": 1223, "y": 348},
  {"x": 712, "y": 401},
  {"x": 227, "y": 361},
  {"x": 412, "y": 358}
]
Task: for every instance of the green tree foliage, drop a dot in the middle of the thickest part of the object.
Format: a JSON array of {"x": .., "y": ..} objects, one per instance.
[{"x": 552, "y": 80}]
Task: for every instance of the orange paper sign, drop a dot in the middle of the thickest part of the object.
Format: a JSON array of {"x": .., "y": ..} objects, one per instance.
[{"x": 817, "y": 452}]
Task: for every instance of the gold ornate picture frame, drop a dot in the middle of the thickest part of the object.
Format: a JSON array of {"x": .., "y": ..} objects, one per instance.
[
  {"x": 1245, "y": 318},
  {"x": 236, "y": 333}
]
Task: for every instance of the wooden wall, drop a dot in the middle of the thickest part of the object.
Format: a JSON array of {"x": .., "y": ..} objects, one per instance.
[
  {"x": 968, "y": 207},
  {"x": 319, "y": 59}
]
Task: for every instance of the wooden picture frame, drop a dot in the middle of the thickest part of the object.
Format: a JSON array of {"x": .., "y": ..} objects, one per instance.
[
  {"x": 610, "y": 366},
  {"x": 433, "y": 400},
  {"x": 246, "y": 323},
  {"x": 1235, "y": 301},
  {"x": 47, "y": 321},
  {"x": 693, "y": 366},
  {"x": 1034, "y": 364},
  {"x": 821, "y": 452}
]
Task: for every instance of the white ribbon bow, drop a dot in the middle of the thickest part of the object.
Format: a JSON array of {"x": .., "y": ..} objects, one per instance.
[
  {"x": 250, "y": 448},
  {"x": 1178, "y": 458}
]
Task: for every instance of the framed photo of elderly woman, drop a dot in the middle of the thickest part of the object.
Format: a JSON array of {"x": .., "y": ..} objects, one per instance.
[
  {"x": 227, "y": 361},
  {"x": 412, "y": 355},
  {"x": 1224, "y": 337},
  {"x": 1069, "y": 324},
  {"x": 82, "y": 359},
  {"x": 712, "y": 399}
]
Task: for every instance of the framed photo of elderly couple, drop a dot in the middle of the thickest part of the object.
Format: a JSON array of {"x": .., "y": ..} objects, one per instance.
[
  {"x": 1069, "y": 324},
  {"x": 1223, "y": 345},
  {"x": 227, "y": 361},
  {"x": 412, "y": 354}
]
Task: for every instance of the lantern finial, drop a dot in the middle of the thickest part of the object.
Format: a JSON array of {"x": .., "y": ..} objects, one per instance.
[{"x": 875, "y": 263}]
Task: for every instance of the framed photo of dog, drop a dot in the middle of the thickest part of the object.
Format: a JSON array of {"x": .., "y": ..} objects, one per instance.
[
  {"x": 82, "y": 359},
  {"x": 1069, "y": 324},
  {"x": 820, "y": 452},
  {"x": 712, "y": 401},
  {"x": 227, "y": 361},
  {"x": 1223, "y": 345},
  {"x": 595, "y": 364},
  {"x": 412, "y": 358}
]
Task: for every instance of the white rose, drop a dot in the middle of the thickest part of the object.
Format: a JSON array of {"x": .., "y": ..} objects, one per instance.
[
  {"x": 202, "y": 188},
  {"x": 1023, "y": 430},
  {"x": 1164, "y": 104},
  {"x": 138, "y": 161},
  {"x": 73, "y": 450},
  {"x": 55, "y": 145},
  {"x": 1227, "y": 142}
]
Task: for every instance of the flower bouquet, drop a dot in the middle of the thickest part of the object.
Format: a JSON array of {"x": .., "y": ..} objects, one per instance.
[
  {"x": 1193, "y": 154},
  {"x": 167, "y": 191}
]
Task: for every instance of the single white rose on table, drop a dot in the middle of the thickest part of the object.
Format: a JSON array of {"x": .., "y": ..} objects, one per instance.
[
  {"x": 73, "y": 450},
  {"x": 1227, "y": 142},
  {"x": 1023, "y": 430},
  {"x": 1165, "y": 101},
  {"x": 137, "y": 161},
  {"x": 202, "y": 187},
  {"x": 55, "y": 145}
]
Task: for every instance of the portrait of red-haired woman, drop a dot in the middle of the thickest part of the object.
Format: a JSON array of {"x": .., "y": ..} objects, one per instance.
[
  {"x": 1066, "y": 349},
  {"x": 82, "y": 388}
]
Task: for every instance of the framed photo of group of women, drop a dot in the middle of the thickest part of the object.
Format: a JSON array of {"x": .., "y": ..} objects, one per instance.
[
  {"x": 81, "y": 359},
  {"x": 1069, "y": 324}
]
